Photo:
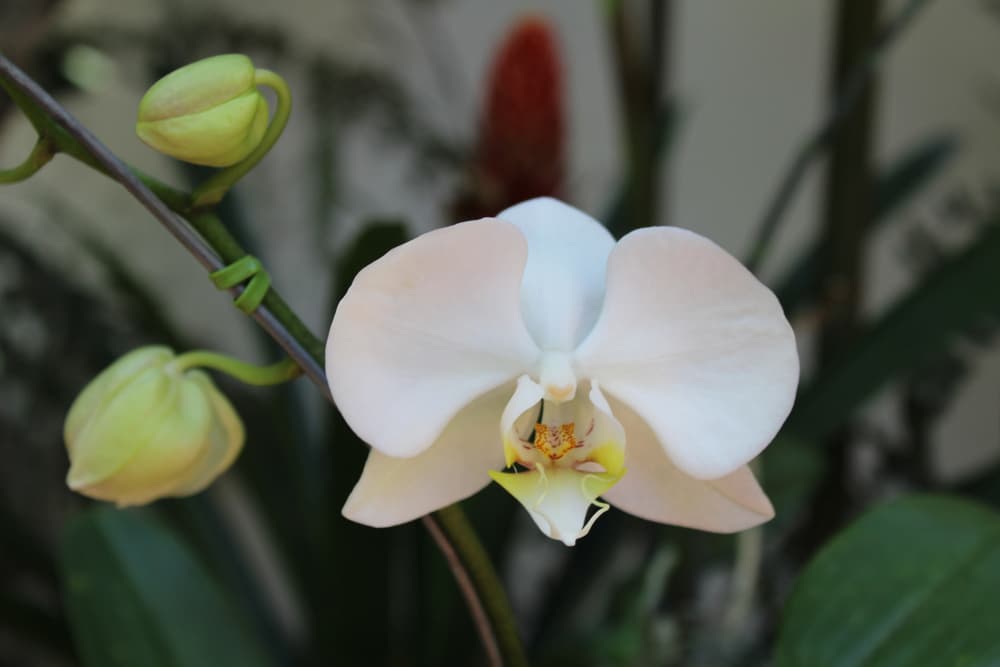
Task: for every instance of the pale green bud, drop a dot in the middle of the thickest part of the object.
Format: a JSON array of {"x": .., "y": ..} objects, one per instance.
[
  {"x": 144, "y": 429},
  {"x": 209, "y": 112}
]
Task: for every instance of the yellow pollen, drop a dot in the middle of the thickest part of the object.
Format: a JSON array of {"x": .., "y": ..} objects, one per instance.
[{"x": 556, "y": 441}]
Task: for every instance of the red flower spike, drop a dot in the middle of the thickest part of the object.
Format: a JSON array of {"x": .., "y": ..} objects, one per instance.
[{"x": 521, "y": 148}]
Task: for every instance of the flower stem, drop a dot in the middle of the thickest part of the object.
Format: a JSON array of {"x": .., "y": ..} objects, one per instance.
[
  {"x": 641, "y": 63},
  {"x": 474, "y": 573},
  {"x": 815, "y": 147},
  {"x": 40, "y": 154},
  {"x": 214, "y": 247},
  {"x": 744, "y": 583},
  {"x": 225, "y": 244},
  {"x": 259, "y": 376},
  {"x": 215, "y": 188},
  {"x": 52, "y": 120}
]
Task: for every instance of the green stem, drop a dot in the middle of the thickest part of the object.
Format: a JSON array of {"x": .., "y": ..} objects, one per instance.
[
  {"x": 472, "y": 567},
  {"x": 176, "y": 200},
  {"x": 745, "y": 577},
  {"x": 456, "y": 536},
  {"x": 52, "y": 120},
  {"x": 36, "y": 113},
  {"x": 40, "y": 154},
  {"x": 215, "y": 188},
  {"x": 228, "y": 248},
  {"x": 259, "y": 376}
]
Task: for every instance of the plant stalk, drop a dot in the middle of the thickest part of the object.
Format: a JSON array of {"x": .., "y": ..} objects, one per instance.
[
  {"x": 851, "y": 91},
  {"x": 641, "y": 65},
  {"x": 218, "y": 248},
  {"x": 40, "y": 154}
]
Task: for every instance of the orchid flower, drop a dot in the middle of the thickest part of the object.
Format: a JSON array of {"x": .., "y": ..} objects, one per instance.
[{"x": 533, "y": 350}]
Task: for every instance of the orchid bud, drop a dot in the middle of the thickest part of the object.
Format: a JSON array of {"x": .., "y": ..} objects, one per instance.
[
  {"x": 144, "y": 429},
  {"x": 209, "y": 112}
]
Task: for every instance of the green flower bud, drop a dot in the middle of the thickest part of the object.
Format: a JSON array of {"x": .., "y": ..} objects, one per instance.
[
  {"x": 209, "y": 112},
  {"x": 144, "y": 429}
]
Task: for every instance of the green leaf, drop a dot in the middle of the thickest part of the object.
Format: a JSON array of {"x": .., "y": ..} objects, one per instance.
[
  {"x": 902, "y": 180},
  {"x": 792, "y": 470},
  {"x": 136, "y": 596},
  {"x": 948, "y": 301},
  {"x": 376, "y": 238},
  {"x": 911, "y": 173},
  {"x": 914, "y": 583},
  {"x": 985, "y": 486},
  {"x": 357, "y": 633}
]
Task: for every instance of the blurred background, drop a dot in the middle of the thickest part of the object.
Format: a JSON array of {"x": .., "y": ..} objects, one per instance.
[{"x": 850, "y": 151}]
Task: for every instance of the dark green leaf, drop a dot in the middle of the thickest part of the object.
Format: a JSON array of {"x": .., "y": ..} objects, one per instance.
[
  {"x": 985, "y": 486},
  {"x": 896, "y": 185},
  {"x": 357, "y": 633},
  {"x": 136, "y": 596},
  {"x": 914, "y": 583},
  {"x": 907, "y": 176},
  {"x": 375, "y": 239},
  {"x": 792, "y": 469},
  {"x": 948, "y": 301}
]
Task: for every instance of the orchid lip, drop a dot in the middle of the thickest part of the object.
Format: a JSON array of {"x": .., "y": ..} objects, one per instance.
[{"x": 569, "y": 453}]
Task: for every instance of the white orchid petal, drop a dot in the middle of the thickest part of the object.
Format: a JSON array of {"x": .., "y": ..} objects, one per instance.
[
  {"x": 527, "y": 395},
  {"x": 697, "y": 346},
  {"x": 396, "y": 490},
  {"x": 608, "y": 437},
  {"x": 558, "y": 499},
  {"x": 563, "y": 283},
  {"x": 427, "y": 328},
  {"x": 653, "y": 488}
]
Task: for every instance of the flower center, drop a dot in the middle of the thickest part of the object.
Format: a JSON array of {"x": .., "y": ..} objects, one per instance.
[
  {"x": 555, "y": 441},
  {"x": 573, "y": 451},
  {"x": 563, "y": 434},
  {"x": 548, "y": 435}
]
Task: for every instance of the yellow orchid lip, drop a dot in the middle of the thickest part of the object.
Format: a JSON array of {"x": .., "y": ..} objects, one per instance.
[
  {"x": 559, "y": 498},
  {"x": 573, "y": 452}
]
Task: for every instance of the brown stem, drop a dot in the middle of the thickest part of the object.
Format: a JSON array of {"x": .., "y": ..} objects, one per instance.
[
  {"x": 465, "y": 585},
  {"x": 848, "y": 196},
  {"x": 641, "y": 66},
  {"x": 846, "y": 215}
]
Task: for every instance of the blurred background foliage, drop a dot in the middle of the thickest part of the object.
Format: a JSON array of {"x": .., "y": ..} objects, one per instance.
[{"x": 262, "y": 570}]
